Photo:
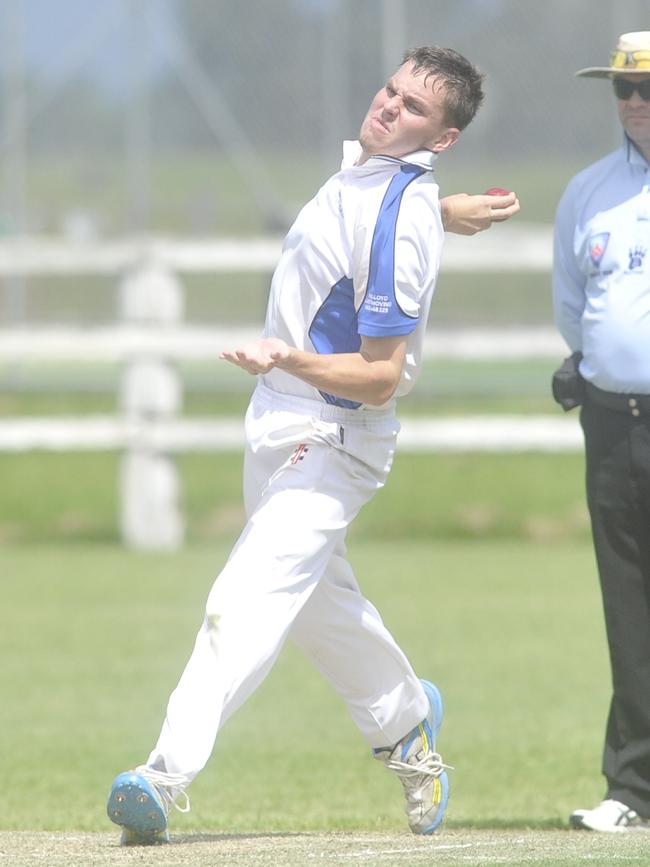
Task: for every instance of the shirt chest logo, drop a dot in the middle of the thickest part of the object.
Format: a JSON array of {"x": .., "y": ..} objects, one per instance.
[
  {"x": 597, "y": 246},
  {"x": 636, "y": 257}
]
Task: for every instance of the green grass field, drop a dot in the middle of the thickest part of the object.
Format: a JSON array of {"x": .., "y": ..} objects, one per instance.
[
  {"x": 93, "y": 639},
  {"x": 73, "y": 498}
]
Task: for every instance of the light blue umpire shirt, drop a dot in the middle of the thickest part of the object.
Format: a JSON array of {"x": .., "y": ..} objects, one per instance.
[{"x": 601, "y": 270}]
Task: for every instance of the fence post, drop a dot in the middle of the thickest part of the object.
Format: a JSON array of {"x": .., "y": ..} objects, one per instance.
[{"x": 151, "y": 392}]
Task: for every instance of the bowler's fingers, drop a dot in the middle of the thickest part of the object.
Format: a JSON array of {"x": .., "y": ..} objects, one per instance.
[
  {"x": 252, "y": 361},
  {"x": 504, "y": 207}
]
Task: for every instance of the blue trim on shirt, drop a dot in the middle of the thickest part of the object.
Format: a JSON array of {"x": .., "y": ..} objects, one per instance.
[
  {"x": 337, "y": 325},
  {"x": 334, "y": 330},
  {"x": 380, "y": 314}
]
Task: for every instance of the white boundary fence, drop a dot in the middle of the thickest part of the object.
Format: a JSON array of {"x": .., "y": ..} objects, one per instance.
[
  {"x": 503, "y": 248},
  {"x": 151, "y": 336},
  {"x": 451, "y": 434}
]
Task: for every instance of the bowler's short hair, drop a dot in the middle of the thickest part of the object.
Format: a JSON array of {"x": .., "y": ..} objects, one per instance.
[{"x": 463, "y": 91}]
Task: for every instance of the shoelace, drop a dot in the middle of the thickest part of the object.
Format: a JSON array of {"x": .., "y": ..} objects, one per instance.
[
  {"x": 163, "y": 782},
  {"x": 431, "y": 765}
]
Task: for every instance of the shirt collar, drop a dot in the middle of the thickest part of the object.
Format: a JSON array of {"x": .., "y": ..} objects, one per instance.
[
  {"x": 634, "y": 155},
  {"x": 352, "y": 152}
]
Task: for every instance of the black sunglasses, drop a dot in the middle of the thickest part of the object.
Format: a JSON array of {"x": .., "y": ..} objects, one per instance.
[{"x": 624, "y": 88}]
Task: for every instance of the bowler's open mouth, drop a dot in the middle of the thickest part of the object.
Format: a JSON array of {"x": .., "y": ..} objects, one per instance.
[{"x": 380, "y": 124}]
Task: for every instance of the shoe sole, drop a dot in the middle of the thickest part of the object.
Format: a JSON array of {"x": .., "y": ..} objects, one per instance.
[
  {"x": 578, "y": 823},
  {"x": 442, "y": 795},
  {"x": 575, "y": 822},
  {"x": 135, "y": 805}
]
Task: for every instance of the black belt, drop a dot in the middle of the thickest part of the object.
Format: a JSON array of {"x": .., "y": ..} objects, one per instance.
[{"x": 632, "y": 404}]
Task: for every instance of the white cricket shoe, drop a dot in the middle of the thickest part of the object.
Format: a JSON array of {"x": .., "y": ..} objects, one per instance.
[
  {"x": 609, "y": 816},
  {"x": 420, "y": 769}
]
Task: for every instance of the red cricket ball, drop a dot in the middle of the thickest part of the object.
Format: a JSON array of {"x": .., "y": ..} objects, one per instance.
[{"x": 497, "y": 191}]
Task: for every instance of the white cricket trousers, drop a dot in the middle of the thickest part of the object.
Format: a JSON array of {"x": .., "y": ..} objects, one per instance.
[{"x": 309, "y": 468}]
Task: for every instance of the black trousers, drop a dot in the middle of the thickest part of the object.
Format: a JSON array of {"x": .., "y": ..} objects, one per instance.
[{"x": 618, "y": 493}]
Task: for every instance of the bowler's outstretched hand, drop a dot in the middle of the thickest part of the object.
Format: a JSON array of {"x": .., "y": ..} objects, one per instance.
[{"x": 258, "y": 356}]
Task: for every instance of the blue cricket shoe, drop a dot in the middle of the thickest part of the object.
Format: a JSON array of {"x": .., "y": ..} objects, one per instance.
[
  {"x": 420, "y": 769},
  {"x": 140, "y": 801}
]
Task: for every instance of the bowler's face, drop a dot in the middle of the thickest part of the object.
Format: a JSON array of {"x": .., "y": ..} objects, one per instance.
[
  {"x": 634, "y": 114},
  {"x": 407, "y": 115}
]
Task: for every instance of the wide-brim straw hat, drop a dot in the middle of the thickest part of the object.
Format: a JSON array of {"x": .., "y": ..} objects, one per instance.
[{"x": 630, "y": 57}]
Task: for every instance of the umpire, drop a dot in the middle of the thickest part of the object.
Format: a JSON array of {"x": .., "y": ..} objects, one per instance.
[{"x": 601, "y": 288}]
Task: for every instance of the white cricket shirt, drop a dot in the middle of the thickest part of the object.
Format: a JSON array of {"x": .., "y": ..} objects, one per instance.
[
  {"x": 601, "y": 271},
  {"x": 361, "y": 259}
]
